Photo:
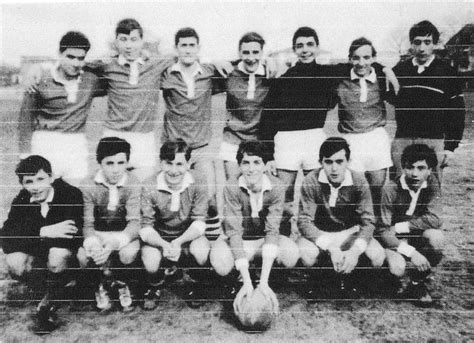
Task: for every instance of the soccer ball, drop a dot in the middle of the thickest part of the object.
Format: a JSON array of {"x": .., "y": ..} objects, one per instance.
[{"x": 257, "y": 312}]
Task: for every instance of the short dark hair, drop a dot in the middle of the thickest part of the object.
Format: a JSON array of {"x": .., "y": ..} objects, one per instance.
[
  {"x": 252, "y": 37},
  {"x": 169, "y": 149},
  {"x": 422, "y": 29},
  {"x": 31, "y": 166},
  {"x": 419, "y": 152},
  {"x": 110, "y": 146},
  {"x": 357, "y": 43},
  {"x": 185, "y": 32},
  {"x": 333, "y": 145},
  {"x": 126, "y": 26},
  {"x": 305, "y": 31},
  {"x": 251, "y": 148},
  {"x": 74, "y": 40}
]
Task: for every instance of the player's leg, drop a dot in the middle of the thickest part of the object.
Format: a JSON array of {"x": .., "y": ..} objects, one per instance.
[
  {"x": 75, "y": 164},
  {"x": 228, "y": 153},
  {"x": 288, "y": 252},
  {"x": 396, "y": 263},
  {"x": 308, "y": 252},
  {"x": 151, "y": 258},
  {"x": 221, "y": 257},
  {"x": 433, "y": 246},
  {"x": 19, "y": 264},
  {"x": 288, "y": 178},
  {"x": 376, "y": 253},
  {"x": 202, "y": 162},
  {"x": 376, "y": 180},
  {"x": 199, "y": 249}
]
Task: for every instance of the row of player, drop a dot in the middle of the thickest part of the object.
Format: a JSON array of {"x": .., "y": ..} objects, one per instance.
[
  {"x": 113, "y": 217},
  {"x": 287, "y": 112}
]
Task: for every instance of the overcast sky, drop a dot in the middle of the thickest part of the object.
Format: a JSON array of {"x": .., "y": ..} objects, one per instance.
[{"x": 32, "y": 28}]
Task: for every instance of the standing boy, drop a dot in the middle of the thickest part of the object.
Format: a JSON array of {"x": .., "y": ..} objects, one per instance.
[
  {"x": 133, "y": 83},
  {"x": 362, "y": 117},
  {"x": 53, "y": 117},
  {"x": 246, "y": 88},
  {"x": 430, "y": 105}
]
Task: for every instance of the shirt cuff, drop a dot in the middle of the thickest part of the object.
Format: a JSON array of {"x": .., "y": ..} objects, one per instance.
[
  {"x": 406, "y": 249},
  {"x": 269, "y": 251},
  {"x": 324, "y": 241},
  {"x": 241, "y": 263},
  {"x": 361, "y": 244},
  {"x": 403, "y": 227},
  {"x": 200, "y": 226}
]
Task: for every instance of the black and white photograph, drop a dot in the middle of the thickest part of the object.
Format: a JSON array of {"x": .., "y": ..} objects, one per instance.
[{"x": 236, "y": 171}]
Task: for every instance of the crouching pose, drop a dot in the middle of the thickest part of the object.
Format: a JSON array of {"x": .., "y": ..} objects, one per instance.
[
  {"x": 253, "y": 212},
  {"x": 410, "y": 226},
  {"x": 174, "y": 207},
  {"x": 42, "y": 230},
  {"x": 111, "y": 222},
  {"x": 336, "y": 212}
]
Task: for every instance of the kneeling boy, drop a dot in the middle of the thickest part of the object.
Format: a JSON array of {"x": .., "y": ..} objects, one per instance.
[
  {"x": 111, "y": 220},
  {"x": 42, "y": 229},
  {"x": 410, "y": 225},
  {"x": 336, "y": 212},
  {"x": 174, "y": 207},
  {"x": 253, "y": 213}
]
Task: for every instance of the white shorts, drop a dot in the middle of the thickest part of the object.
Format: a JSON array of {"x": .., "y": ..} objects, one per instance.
[
  {"x": 143, "y": 147},
  {"x": 296, "y": 150},
  {"x": 228, "y": 152},
  {"x": 370, "y": 150},
  {"x": 67, "y": 152}
]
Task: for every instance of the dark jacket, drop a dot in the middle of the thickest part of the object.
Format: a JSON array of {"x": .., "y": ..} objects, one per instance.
[
  {"x": 430, "y": 104},
  {"x": 21, "y": 230}
]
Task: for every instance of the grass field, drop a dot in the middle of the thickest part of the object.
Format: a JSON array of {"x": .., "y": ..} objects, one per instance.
[{"x": 373, "y": 317}]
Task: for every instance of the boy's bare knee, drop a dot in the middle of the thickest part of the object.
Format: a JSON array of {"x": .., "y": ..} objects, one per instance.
[
  {"x": 128, "y": 254},
  {"x": 375, "y": 253},
  {"x": 58, "y": 259},
  {"x": 396, "y": 263},
  {"x": 308, "y": 252},
  {"x": 221, "y": 258},
  {"x": 199, "y": 249},
  {"x": 288, "y": 252},
  {"x": 19, "y": 264},
  {"x": 151, "y": 258},
  {"x": 435, "y": 238},
  {"x": 82, "y": 257}
]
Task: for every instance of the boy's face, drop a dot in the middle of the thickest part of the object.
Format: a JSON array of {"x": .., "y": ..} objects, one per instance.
[
  {"x": 114, "y": 167},
  {"x": 175, "y": 170},
  {"x": 71, "y": 61},
  {"x": 335, "y": 167},
  {"x": 306, "y": 49},
  {"x": 130, "y": 46},
  {"x": 416, "y": 174},
  {"x": 423, "y": 48},
  {"x": 188, "y": 50},
  {"x": 38, "y": 185},
  {"x": 250, "y": 53},
  {"x": 362, "y": 60},
  {"x": 252, "y": 168}
]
